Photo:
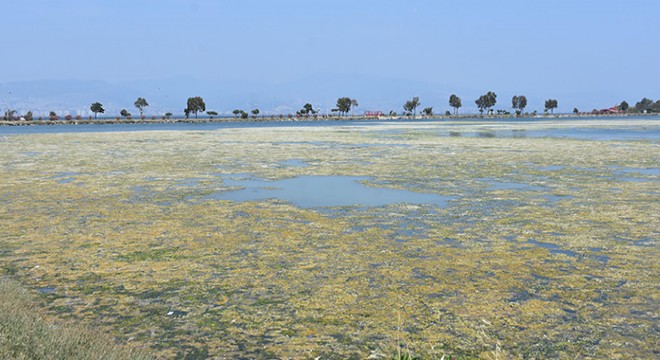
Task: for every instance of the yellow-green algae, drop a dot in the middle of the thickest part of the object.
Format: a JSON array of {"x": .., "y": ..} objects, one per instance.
[{"x": 136, "y": 249}]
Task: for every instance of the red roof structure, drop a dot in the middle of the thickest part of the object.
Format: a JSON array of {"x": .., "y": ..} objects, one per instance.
[{"x": 613, "y": 110}]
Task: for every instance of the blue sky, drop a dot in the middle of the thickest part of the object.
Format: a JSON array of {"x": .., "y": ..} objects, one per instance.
[{"x": 600, "y": 50}]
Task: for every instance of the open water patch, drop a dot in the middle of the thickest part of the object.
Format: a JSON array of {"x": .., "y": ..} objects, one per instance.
[
  {"x": 596, "y": 254},
  {"x": 66, "y": 177},
  {"x": 552, "y": 248},
  {"x": 47, "y": 290},
  {"x": 321, "y": 191},
  {"x": 30, "y": 153},
  {"x": 296, "y": 163},
  {"x": 636, "y": 175},
  {"x": 649, "y": 172},
  {"x": 552, "y": 168},
  {"x": 496, "y": 184}
]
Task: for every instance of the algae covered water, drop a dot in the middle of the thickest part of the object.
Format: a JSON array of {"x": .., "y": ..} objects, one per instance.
[{"x": 347, "y": 240}]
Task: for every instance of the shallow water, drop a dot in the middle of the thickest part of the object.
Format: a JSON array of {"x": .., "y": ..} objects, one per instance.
[
  {"x": 294, "y": 163},
  {"x": 585, "y": 133},
  {"x": 584, "y": 129},
  {"x": 322, "y": 191},
  {"x": 66, "y": 177}
]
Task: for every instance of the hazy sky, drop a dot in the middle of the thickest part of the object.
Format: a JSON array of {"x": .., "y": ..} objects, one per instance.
[{"x": 560, "y": 47}]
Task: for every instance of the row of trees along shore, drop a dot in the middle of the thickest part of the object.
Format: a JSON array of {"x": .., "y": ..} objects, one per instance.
[{"x": 346, "y": 105}]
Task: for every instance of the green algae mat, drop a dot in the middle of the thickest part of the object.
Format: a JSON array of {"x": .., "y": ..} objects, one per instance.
[{"x": 540, "y": 247}]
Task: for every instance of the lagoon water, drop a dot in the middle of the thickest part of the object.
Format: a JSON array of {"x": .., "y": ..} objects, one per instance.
[
  {"x": 322, "y": 191},
  {"x": 574, "y": 128}
]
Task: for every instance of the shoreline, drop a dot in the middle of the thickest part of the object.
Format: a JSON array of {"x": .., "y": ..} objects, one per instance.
[{"x": 271, "y": 119}]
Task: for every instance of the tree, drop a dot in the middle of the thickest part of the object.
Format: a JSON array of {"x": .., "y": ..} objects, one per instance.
[
  {"x": 576, "y": 111},
  {"x": 124, "y": 113},
  {"x": 428, "y": 111},
  {"x": 344, "y": 105},
  {"x": 307, "y": 109},
  {"x": 486, "y": 101},
  {"x": 455, "y": 102},
  {"x": 519, "y": 103},
  {"x": 97, "y": 108},
  {"x": 550, "y": 104},
  {"x": 354, "y": 104},
  {"x": 140, "y": 104},
  {"x": 407, "y": 107},
  {"x": 624, "y": 106},
  {"x": 211, "y": 114},
  {"x": 255, "y": 112},
  {"x": 411, "y": 105},
  {"x": 195, "y": 105},
  {"x": 236, "y": 113},
  {"x": 53, "y": 116},
  {"x": 168, "y": 115},
  {"x": 9, "y": 114},
  {"x": 244, "y": 115},
  {"x": 644, "y": 105},
  {"x": 656, "y": 106}
]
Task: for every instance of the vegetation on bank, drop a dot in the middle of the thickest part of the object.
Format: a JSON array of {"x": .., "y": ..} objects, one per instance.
[
  {"x": 346, "y": 105},
  {"x": 25, "y": 333}
]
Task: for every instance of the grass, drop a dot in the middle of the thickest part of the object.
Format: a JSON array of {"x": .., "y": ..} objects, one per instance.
[{"x": 26, "y": 334}]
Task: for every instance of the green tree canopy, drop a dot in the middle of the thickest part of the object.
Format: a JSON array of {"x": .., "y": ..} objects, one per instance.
[
  {"x": 644, "y": 105},
  {"x": 195, "y": 105},
  {"x": 307, "y": 109},
  {"x": 211, "y": 114},
  {"x": 656, "y": 106},
  {"x": 428, "y": 111},
  {"x": 455, "y": 102},
  {"x": 486, "y": 101},
  {"x": 97, "y": 108},
  {"x": 354, "y": 104},
  {"x": 519, "y": 103},
  {"x": 140, "y": 104},
  {"x": 344, "y": 105},
  {"x": 255, "y": 112},
  {"x": 410, "y": 106},
  {"x": 624, "y": 106},
  {"x": 551, "y": 104},
  {"x": 124, "y": 113},
  {"x": 9, "y": 114}
]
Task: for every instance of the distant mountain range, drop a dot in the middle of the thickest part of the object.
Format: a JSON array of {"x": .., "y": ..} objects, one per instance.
[{"x": 169, "y": 95}]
